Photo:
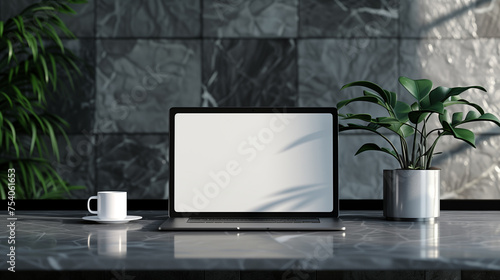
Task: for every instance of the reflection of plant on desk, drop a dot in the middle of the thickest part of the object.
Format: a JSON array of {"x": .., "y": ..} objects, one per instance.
[
  {"x": 410, "y": 122},
  {"x": 33, "y": 62}
]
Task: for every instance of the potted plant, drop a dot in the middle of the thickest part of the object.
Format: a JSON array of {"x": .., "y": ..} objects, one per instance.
[
  {"x": 33, "y": 62},
  {"x": 412, "y": 190}
]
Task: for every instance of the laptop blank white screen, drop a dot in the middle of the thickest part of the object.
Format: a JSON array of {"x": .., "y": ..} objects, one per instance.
[{"x": 253, "y": 162}]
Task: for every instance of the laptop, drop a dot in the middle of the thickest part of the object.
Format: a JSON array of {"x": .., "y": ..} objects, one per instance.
[{"x": 253, "y": 169}]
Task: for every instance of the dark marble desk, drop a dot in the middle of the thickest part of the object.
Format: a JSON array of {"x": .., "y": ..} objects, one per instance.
[{"x": 61, "y": 240}]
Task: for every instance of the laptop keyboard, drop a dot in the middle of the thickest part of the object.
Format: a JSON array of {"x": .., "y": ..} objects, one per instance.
[{"x": 253, "y": 220}]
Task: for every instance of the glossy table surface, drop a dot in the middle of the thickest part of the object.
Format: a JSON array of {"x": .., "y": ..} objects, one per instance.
[{"x": 61, "y": 240}]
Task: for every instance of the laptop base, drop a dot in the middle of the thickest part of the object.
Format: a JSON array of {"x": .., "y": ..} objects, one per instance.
[{"x": 182, "y": 224}]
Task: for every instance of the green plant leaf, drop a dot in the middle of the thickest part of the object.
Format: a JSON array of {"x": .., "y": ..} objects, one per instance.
[
  {"x": 373, "y": 126},
  {"x": 7, "y": 98},
  {"x": 367, "y": 93},
  {"x": 456, "y": 118},
  {"x": 26, "y": 66},
  {"x": 357, "y": 99},
  {"x": 53, "y": 139},
  {"x": 420, "y": 115},
  {"x": 41, "y": 178},
  {"x": 439, "y": 94},
  {"x": 415, "y": 106},
  {"x": 406, "y": 130},
  {"x": 19, "y": 23},
  {"x": 458, "y": 90},
  {"x": 417, "y": 117},
  {"x": 444, "y": 117},
  {"x": 67, "y": 9},
  {"x": 32, "y": 44},
  {"x": 375, "y": 147},
  {"x": 52, "y": 33},
  {"x": 386, "y": 121},
  {"x": 393, "y": 99},
  {"x": 464, "y": 102},
  {"x": 472, "y": 115},
  {"x": 363, "y": 117},
  {"x": 24, "y": 176},
  {"x": 460, "y": 133},
  {"x": 418, "y": 88},
  {"x": 11, "y": 51},
  {"x": 11, "y": 74},
  {"x": 352, "y": 126},
  {"x": 33, "y": 137},
  {"x": 425, "y": 102},
  {"x": 401, "y": 111},
  {"x": 371, "y": 86},
  {"x": 395, "y": 127},
  {"x": 45, "y": 69},
  {"x": 485, "y": 117},
  {"x": 12, "y": 134},
  {"x": 54, "y": 70}
]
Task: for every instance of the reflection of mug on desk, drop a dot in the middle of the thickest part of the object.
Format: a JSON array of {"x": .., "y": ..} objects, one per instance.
[{"x": 110, "y": 242}]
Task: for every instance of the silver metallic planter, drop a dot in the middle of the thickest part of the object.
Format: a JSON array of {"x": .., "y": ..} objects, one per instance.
[{"x": 411, "y": 194}]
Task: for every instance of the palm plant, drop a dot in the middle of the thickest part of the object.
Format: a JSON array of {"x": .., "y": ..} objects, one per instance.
[
  {"x": 33, "y": 62},
  {"x": 410, "y": 122}
]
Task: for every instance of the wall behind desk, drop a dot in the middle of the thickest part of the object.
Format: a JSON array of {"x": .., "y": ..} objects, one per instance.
[{"x": 142, "y": 57}]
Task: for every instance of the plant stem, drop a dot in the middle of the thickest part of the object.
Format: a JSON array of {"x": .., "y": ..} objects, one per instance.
[
  {"x": 404, "y": 151},
  {"x": 427, "y": 157},
  {"x": 431, "y": 151},
  {"x": 414, "y": 150}
]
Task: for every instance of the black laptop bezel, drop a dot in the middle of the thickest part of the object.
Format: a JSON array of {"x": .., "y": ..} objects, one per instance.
[{"x": 330, "y": 110}]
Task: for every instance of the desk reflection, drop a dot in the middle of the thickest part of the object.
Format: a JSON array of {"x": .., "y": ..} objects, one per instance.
[
  {"x": 429, "y": 240},
  {"x": 254, "y": 245},
  {"x": 110, "y": 241}
]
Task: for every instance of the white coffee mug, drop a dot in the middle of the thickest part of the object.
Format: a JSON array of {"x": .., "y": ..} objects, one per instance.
[{"x": 111, "y": 205}]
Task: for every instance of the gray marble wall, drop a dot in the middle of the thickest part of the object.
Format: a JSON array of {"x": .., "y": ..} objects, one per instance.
[{"x": 142, "y": 57}]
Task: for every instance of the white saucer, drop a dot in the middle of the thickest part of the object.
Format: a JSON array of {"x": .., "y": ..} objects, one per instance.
[{"x": 107, "y": 221}]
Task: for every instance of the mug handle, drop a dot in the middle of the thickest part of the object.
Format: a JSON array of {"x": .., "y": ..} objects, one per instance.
[{"x": 88, "y": 204}]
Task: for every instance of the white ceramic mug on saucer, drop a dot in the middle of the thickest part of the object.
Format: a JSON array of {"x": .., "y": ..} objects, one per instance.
[{"x": 111, "y": 205}]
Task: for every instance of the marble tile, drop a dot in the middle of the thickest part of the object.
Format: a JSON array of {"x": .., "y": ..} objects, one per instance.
[
  {"x": 454, "y": 63},
  {"x": 449, "y": 19},
  {"x": 148, "y": 18},
  {"x": 76, "y": 104},
  {"x": 468, "y": 173},
  {"x": 139, "y": 80},
  {"x": 11, "y": 8},
  {"x": 77, "y": 164},
  {"x": 137, "y": 164},
  {"x": 349, "y": 18},
  {"x": 360, "y": 177},
  {"x": 325, "y": 65},
  {"x": 240, "y": 72},
  {"x": 258, "y": 18},
  {"x": 81, "y": 24}
]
